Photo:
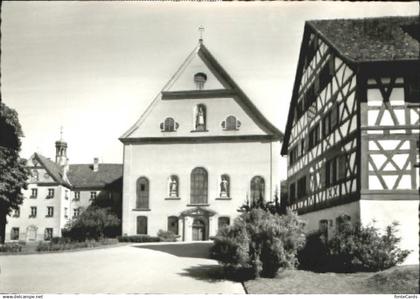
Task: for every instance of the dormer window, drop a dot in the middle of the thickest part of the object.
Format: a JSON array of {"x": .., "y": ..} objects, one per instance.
[
  {"x": 199, "y": 80},
  {"x": 231, "y": 123},
  {"x": 169, "y": 125}
]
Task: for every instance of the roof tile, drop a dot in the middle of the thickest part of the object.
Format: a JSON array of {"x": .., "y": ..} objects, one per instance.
[{"x": 372, "y": 39}]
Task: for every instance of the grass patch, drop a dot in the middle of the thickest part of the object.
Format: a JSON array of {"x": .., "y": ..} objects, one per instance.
[{"x": 397, "y": 280}]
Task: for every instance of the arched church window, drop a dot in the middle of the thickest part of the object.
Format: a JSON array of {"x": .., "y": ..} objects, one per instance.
[
  {"x": 169, "y": 125},
  {"x": 200, "y": 117},
  {"x": 173, "y": 224},
  {"x": 173, "y": 185},
  {"x": 199, "y": 186},
  {"x": 224, "y": 185},
  {"x": 257, "y": 189},
  {"x": 199, "y": 80},
  {"x": 142, "y": 189},
  {"x": 231, "y": 123}
]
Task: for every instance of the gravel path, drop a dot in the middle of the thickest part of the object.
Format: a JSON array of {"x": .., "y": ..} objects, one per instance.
[{"x": 181, "y": 268}]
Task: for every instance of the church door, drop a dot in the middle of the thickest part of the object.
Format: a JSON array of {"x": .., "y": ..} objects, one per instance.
[{"x": 198, "y": 230}]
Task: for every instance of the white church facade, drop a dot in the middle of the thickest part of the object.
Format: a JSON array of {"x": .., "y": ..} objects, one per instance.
[{"x": 198, "y": 152}]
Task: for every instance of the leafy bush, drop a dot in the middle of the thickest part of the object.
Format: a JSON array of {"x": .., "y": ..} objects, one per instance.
[
  {"x": 261, "y": 241},
  {"x": 11, "y": 247},
  {"x": 314, "y": 255},
  {"x": 61, "y": 244},
  {"x": 363, "y": 248},
  {"x": 231, "y": 246},
  {"x": 94, "y": 223},
  {"x": 138, "y": 239},
  {"x": 167, "y": 236}
]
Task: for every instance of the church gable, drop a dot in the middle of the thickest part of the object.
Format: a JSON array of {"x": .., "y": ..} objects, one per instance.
[
  {"x": 194, "y": 75},
  {"x": 201, "y": 100}
]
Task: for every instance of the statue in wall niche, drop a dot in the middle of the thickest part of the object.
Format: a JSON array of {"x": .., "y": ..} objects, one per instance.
[
  {"x": 200, "y": 123},
  {"x": 224, "y": 187},
  {"x": 173, "y": 187}
]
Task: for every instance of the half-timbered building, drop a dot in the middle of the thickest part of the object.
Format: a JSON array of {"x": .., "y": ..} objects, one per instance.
[
  {"x": 352, "y": 135},
  {"x": 199, "y": 151}
]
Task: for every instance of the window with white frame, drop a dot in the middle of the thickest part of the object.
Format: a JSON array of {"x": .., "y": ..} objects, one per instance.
[
  {"x": 92, "y": 195},
  {"x": 50, "y": 193},
  {"x": 76, "y": 195},
  {"x": 34, "y": 193},
  {"x": 50, "y": 211},
  {"x": 76, "y": 212},
  {"x": 33, "y": 212},
  {"x": 169, "y": 125},
  {"x": 16, "y": 213},
  {"x": 231, "y": 123},
  {"x": 48, "y": 234}
]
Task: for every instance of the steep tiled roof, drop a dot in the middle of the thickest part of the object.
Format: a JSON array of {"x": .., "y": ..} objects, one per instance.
[
  {"x": 383, "y": 41},
  {"x": 372, "y": 39},
  {"x": 54, "y": 170},
  {"x": 83, "y": 176}
]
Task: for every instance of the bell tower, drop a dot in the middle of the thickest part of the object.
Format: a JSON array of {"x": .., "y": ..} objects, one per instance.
[{"x": 61, "y": 150}]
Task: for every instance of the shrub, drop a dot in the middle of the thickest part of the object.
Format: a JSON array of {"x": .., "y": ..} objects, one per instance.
[
  {"x": 11, "y": 247},
  {"x": 314, "y": 255},
  {"x": 61, "y": 244},
  {"x": 167, "y": 236},
  {"x": 363, "y": 248},
  {"x": 261, "y": 241},
  {"x": 138, "y": 239},
  {"x": 94, "y": 223},
  {"x": 231, "y": 246}
]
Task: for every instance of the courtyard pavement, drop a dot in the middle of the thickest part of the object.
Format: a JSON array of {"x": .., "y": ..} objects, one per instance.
[{"x": 181, "y": 268}]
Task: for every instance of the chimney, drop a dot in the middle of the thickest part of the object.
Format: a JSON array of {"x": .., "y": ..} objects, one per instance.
[{"x": 95, "y": 164}]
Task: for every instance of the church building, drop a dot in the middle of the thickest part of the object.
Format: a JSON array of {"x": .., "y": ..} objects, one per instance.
[
  {"x": 198, "y": 152},
  {"x": 352, "y": 135}
]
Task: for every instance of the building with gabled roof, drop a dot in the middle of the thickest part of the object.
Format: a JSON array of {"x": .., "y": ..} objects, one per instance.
[
  {"x": 58, "y": 192},
  {"x": 352, "y": 134},
  {"x": 198, "y": 152}
]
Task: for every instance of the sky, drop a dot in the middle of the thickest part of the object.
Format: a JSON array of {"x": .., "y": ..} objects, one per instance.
[{"x": 94, "y": 67}]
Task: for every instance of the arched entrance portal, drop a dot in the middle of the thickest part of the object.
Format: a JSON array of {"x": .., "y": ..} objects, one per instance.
[
  {"x": 198, "y": 230},
  {"x": 196, "y": 224}
]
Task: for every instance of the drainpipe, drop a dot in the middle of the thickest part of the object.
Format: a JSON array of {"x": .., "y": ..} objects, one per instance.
[{"x": 271, "y": 169}]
